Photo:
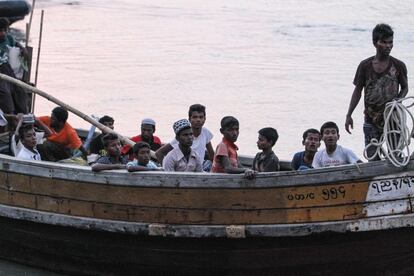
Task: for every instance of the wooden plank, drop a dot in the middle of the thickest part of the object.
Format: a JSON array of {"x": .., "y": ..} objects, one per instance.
[{"x": 284, "y": 197}]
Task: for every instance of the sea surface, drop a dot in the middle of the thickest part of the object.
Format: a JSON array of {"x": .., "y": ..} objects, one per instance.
[{"x": 288, "y": 64}]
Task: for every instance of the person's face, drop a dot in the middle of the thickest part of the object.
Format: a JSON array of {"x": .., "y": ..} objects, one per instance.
[
  {"x": 109, "y": 124},
  {"x": 114, "y": 148},
  {"x": 143, "y": 156},
  {"x": 231, "y": 133},
  {"x": 54, "y": 122},
  {"x": 147, "y": 132},
  {"x": 330, "y": 136},
  {"x": 197, "y": 119},
  {"x": 3, "y": 33},
  {"x": 185, "y": 138},
  {"x": 263, "y": 143},
  {"x": 312, "y": 142},
  {"x": 384, "y": 46},
  {"x": 29, "y": 139}
]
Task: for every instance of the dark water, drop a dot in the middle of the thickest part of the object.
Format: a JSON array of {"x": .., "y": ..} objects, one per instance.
[{"x": 286, "y": 64}]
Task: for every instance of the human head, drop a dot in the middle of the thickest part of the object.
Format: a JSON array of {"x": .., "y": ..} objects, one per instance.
[
  {"x": 147, "y": 129},
  {"x": 27, "y": 136},
  {"x": 267, "y": 138},
  {"x": 4, "y": 26},
  {"x": 142, "y": 152},
  {"x": 183, "y": 132},
  {"x": 381, "y": 31},
  {"x": 197, "y": 115},
  {"x": 230, "y": 128},
  {"x": 107, "y": 121},
  {"x": 111, "y": 144},
  {"x": 311, "y": 139},
  {"x": 58, "y": 117},
  {"x": 330, "y": 133}
]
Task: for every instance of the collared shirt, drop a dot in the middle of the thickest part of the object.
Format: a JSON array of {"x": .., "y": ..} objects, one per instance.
[
  {"x": 176, "y": 161},
  {"x": 134, "y": 163},
  {"x": 155, "y": 144},
  {"x": 26, "y": 154},
  {"x": 228, "y": 149},
  {"x": 106, "y": 159}
]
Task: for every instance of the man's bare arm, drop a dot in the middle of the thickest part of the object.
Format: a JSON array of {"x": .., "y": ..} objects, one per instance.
[
  {"x": 356, "y": 96},
  {"x": 210, "y": 151},
  {"x": 162, "y": 152}
]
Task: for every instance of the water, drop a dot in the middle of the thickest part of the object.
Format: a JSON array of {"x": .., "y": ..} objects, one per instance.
[{"x": 285, "y": 64}]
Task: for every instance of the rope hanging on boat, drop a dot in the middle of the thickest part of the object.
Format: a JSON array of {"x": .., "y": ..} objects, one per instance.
[{"x": 396, "y": 135}]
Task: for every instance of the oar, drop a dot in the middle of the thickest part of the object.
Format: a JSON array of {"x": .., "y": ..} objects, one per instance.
[{"x": 49, "y": 97}]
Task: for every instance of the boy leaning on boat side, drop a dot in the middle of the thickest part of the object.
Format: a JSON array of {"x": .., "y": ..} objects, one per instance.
[
  {"x": 226, "y": 159},
  {"x": 202, "y": 138},
  {"x": 112, "y": 160},
  {"x": 380, "y": 77},
  {"x": 96, "y": 146},
  {"x": 333, "y": 154},
  {"x": 311, "y": 140},
  {"x": 142, "y": 159},
  {"x": 266, "y": 160},
  {"x": 183, "y": 158}
]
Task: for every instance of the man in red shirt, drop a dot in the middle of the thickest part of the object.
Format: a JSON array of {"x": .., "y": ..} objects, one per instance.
[
  {"x": 63, "y": 140},
  {"x": 147, "y": 135}
]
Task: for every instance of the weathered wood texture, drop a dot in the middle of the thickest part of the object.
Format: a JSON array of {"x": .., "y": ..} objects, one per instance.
[{"x": 94, "y": 252}]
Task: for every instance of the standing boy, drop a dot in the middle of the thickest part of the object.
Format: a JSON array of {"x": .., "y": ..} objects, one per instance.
[
  {"x": 13, "y": 99},
  {"x": 380, "y": 77},
  {"x": 266, "y": 161},
  {"x": 142, "y": 161},
  {"x": 202, "y": 137},
  {"x": 112, "y": 160},
  {"x": 303, "y": 160},
  {"x": 183, "y": 158},
  {"x": 333, "y": 154},
  {"x": 147, "y": 135},
  {"x": 226, "y": 159}
]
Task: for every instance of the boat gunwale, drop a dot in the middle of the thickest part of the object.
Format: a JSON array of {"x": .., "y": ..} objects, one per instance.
[{"x": 78, "y": 173}]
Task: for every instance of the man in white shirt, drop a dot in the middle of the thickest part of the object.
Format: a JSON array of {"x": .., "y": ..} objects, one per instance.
[
  {"x": 333, "y": 154},
  {"x": 202, "y": 137}
]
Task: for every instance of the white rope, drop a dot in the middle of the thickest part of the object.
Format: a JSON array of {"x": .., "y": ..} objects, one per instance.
[{"x": 396, "y": 135}]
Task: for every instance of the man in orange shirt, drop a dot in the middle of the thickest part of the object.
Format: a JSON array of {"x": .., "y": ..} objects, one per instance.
[{"x": 63, "y": 140}]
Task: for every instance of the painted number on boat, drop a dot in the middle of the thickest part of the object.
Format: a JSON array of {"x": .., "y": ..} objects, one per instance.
[
  {"x": 325, "y": 194},
  {"x": 390, "y": 185}
]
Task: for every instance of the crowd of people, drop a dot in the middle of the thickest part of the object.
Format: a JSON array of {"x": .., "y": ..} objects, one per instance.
[{"x": 381, "y": 77}]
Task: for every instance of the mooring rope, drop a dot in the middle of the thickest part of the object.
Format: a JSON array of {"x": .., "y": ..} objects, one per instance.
[{"x": 396, "y": 135}]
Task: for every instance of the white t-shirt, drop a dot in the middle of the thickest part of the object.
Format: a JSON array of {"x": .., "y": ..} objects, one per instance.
[
  {"x": 16, "y": 147},
  {"x": 27, "y": 154},
  {"x": 341, "y": 156},
  {"x": 199, "y": 142}
]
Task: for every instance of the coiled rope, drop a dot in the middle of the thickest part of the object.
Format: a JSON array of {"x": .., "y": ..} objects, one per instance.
[{"x": 395, "y": 140}]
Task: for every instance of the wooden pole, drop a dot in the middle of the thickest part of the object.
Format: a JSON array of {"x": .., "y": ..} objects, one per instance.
[
  {"x": 49, "y": 97},
  {"x": 38, "y": 57},
  {"x": 29, "y": 25}
]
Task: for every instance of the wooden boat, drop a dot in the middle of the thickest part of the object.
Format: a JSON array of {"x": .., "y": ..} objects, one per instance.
[
  {"x": 331, "y": 221},
  {"x": 14, "y": 10}
]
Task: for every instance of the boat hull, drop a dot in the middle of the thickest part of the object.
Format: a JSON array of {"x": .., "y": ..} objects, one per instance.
[{"x": 74, "y": 251}]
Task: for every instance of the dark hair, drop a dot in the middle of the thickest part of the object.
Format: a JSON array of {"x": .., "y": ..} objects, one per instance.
[
  {"x": 106, "y": 118},
  {"x": 228, "y": 121},
  {"x": 23, "y": 129},
  {"x": 140, "y": 145},
  {"x": 4, "y": 23},
  {"x": 311, "y": 130},
  {"x": 196, "y": 108},
  {"x": 270, "y": 134},
  {"x": 329, "y": 125},
  {"x": 381, "y": 31},
  {"x": 61, "y": 114},
  {"x": 109, "y": 137}
]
